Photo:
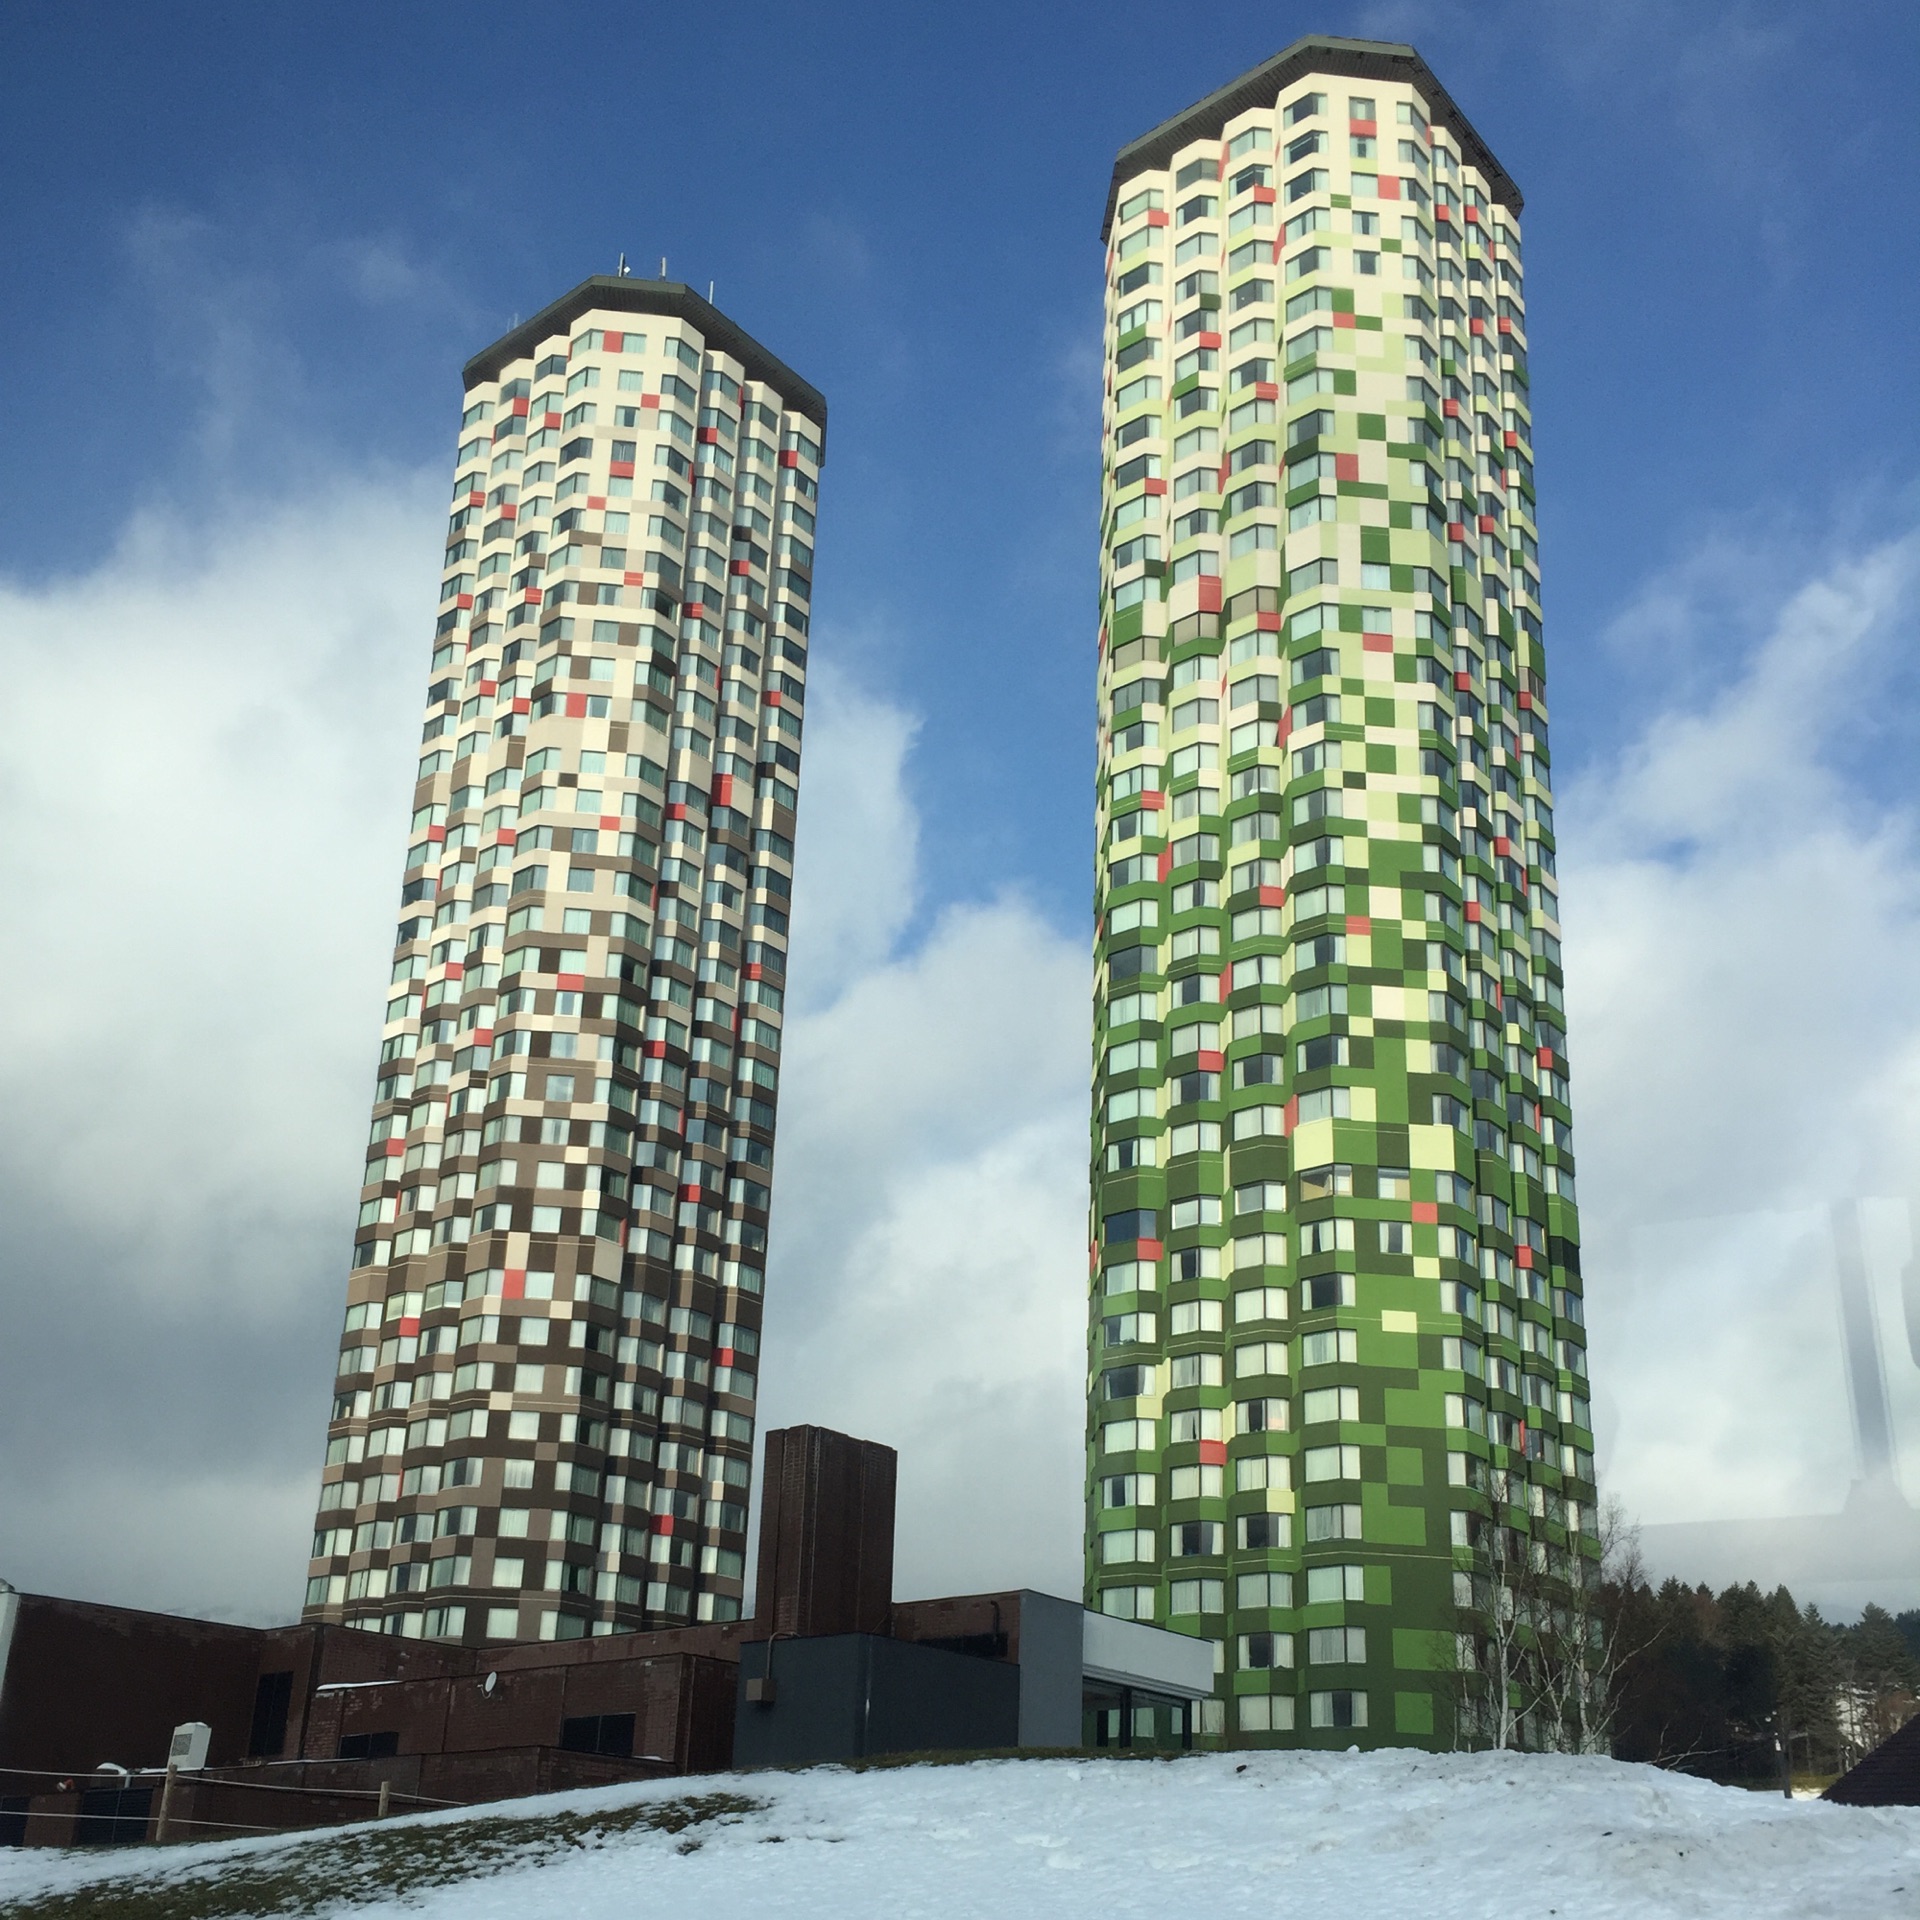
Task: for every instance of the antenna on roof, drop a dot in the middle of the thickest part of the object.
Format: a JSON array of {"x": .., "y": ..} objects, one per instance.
[
  {"x": 623, "y": 266},
  {"x": 663, "y": 266},
  {"x": 709, "y": 293}
]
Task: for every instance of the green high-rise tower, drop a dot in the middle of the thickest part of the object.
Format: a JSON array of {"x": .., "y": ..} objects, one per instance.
[{"x": 1338, "y": 1418}]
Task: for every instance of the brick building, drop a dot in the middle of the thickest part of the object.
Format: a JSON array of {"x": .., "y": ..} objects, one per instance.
[{"x": 308, "y": 1724}]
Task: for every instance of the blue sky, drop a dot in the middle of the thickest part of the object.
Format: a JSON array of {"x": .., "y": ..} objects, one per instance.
[
  {"x": 247, "y": 251},
  {"x": 246, "y": 243}
]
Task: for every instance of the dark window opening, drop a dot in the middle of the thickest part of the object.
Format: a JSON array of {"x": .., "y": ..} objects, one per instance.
[
  {"x": 271, "y": 1699},
  {"x": 113, "y": 1817},
  {"x": 599, "y": 1733},
  {"x": 369, "y": 1746},
  {"x": 13, "y": 1820},
  {"x": 982, "y": 1646}
]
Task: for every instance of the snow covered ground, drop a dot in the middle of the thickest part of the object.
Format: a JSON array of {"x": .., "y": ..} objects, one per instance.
[{"x": 1357, "y": 1836}]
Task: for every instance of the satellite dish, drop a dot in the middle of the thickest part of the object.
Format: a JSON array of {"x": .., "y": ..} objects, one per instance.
[{"x": 492, "y": 1681}]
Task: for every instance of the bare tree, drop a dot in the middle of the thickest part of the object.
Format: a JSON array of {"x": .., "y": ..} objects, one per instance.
[
  {"x": 1507, "y": 1602},
  {"x": 1543, "y": 1643},
  {"x": 1453, "y": 1659},
  {"x": 1583, "y": 1638}
]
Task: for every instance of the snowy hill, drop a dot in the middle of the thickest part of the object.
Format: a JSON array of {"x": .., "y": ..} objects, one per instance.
[{"x": 1360, "y": 1836}]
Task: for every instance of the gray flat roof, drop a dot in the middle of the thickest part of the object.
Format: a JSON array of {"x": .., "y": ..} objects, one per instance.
[
  {"x": 624, "y": 293},
  {"x": 1346, "y": 59},
  {"x": 1130, "y": 1653}
]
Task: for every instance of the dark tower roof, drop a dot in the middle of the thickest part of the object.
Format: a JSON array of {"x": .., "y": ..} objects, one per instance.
[
  {"x": 621, "y": 293},
  {"x": 1349, "y": 59}
]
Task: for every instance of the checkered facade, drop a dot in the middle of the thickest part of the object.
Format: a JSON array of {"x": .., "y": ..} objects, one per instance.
[
  {"x": 543, "y": 1418},
  {"x": 1336, "y": 1334}
]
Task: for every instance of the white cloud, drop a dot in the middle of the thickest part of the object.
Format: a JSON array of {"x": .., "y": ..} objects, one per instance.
[
  {"x": 856, "y": 865},
  {"x": 205, "y": 779},
  {"x": 205, "y": 769},
  {"x": 1742, "y": 912},
  {"x": 928, "y": 1281}
]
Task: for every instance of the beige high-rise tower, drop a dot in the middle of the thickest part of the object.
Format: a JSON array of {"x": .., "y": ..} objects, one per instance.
[{"x": 543, "y": 1421}]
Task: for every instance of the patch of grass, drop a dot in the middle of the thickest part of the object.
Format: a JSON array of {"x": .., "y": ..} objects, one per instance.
[{"x": 328, "y": 1871}]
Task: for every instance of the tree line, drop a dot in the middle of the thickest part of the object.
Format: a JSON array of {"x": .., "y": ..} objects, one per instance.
[
  {"x": 1710, "y": 1683},
  {"x": 1577, "y": 1651}
]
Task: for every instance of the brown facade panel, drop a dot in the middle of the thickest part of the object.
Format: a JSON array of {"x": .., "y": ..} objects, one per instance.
[{"x": 826, "y": 1534}]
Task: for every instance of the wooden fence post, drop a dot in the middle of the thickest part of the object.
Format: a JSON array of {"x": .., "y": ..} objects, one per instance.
[{"x": 161, "y": 1825}]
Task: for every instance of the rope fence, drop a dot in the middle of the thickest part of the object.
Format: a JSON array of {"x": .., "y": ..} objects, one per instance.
[
  {"x": 148, "y": 1826},
  {"x": 225, "y": 1826},
  {"x": 71, "y": 1782}
]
